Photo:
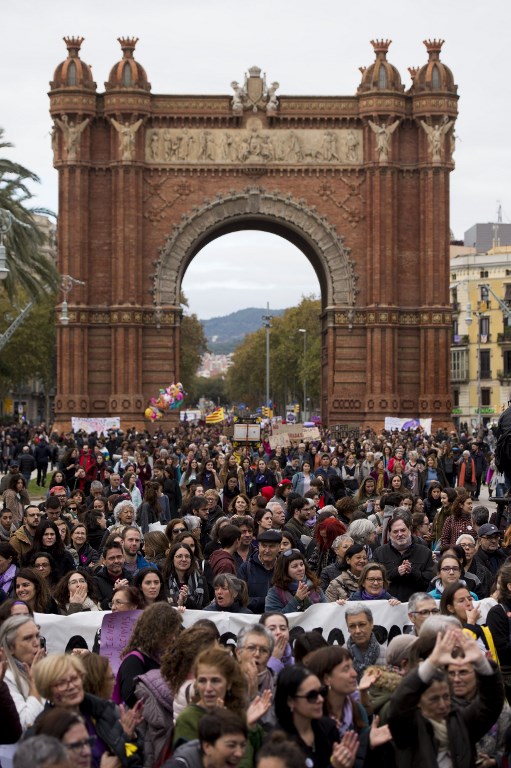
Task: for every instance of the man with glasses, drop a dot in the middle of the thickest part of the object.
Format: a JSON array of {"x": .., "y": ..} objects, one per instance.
[
  {"x": 254, "y": 647},
  {"x": 23, "y": 539},
  {"x": 112, "y": 575},
  {"x": 420, "y": 607},
  {"x": 490, "y": 554}
]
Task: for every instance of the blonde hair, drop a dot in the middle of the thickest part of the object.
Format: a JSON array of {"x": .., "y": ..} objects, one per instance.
[{"x": 49, "y": 670}]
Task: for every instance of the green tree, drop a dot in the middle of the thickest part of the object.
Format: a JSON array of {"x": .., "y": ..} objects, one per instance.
[
  {"x": 246, "y": 379},
  {"x": 193, "y": 345},
  {"x": 29, "y": 267}
]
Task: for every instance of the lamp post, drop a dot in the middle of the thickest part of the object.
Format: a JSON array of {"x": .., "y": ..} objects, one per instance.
[
  {"x": 267, "y": 324},
  {"x": 304, "y": 331},
  {"x": 66, "y": 283},
  {"x": 468, "y": 320}
]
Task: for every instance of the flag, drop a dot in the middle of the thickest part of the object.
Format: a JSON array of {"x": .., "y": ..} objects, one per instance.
[{"x": 216, "y": 417}]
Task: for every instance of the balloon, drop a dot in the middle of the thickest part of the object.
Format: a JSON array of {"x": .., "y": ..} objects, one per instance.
[{"x": 169, "y": 397}]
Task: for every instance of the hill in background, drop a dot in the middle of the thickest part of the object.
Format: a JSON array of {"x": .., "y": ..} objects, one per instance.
[{"x": 225, "y": 333}]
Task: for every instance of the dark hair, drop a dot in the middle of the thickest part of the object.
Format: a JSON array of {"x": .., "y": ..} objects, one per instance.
[
  {"x": 228, "y": 535},
  {"x": 158, "y": 625},
  {"x": 355, "y": 549},
  {"x": 404, "y": 517},
  {"x": 6, "y": 607},
  {"x": 133, "y": 594},
  {"x": 57, "y": 550},
  {"x": 13, "y": 482},
  {"x": 281, "y": 578},
  {"x": 322, "y": 662},
  {"x": 296, "y": 504},
  {"x": 61, "y": 593},
  {"x": 448, "y": 594},
  {"x": 111, "y": 544},
  {"x": 56, "y": 722},
  {"x": 178, "y": 660},
  {"x": 306, "y": 643},
  {"x": 139, "y": 578},
  {"x": 267, "y": 614},
  {"x": 237, "y": 587},
  {"x": 288, "y": 683},
  {"x": 480, "y": 515},
  {"x": 96, "y": 670},
  {"x": 42, "y": 593},
  {"x": 169, "y": 570},
  {"x": 7, "y": 552},
  {"x": 220, "y": 722},
  {"x": 54, "y": 577},
  {"x": 280, "y": 747},
  {"x": 198, "y": 549},
  {"x": 457, "y": 505}
]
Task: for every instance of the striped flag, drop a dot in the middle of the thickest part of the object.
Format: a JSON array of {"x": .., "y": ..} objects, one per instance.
[{"x": 216, "y": 417}]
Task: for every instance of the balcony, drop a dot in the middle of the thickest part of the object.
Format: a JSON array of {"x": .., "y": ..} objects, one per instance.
[
  {"x": 459, "y": 341},
  {"x": 504, "y": 377},
  {"x": 505, "y": 337}
]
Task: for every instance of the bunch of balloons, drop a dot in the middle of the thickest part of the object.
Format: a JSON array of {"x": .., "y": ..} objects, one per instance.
[{"x": 170, "y": 398}]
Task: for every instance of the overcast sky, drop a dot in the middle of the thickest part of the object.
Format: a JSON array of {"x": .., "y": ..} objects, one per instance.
[{"x": 315, "y": 48}]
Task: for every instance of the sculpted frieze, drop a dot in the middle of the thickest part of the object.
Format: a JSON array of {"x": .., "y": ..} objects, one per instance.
[{"x": 254, "y": 144}]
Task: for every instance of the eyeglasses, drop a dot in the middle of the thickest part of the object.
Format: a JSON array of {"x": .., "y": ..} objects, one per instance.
[
  {"x": 73, "y": 582},
  {"x": 179, "y": 530},
  {"x": 290, "y": 552},
  {"x": 69, "y": 683},
  {"x": 262, "y": 649},
  {"x": 426, "y": 612},
  {"x": 118, "y": 603},
  {"x": 71, "y": 509},
  {"x": 183, "y": 557},
  {"x": 312, "y": 696},
  {"x": 78, "y": 746},
  {"x": 450, "y": 569},
  {"x": 374, "y": 580}
]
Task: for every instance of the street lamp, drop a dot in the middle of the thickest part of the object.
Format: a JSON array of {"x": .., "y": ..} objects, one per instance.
[
  {"x": 66, "y": 283},
  {"x": 267, "y": 324},
  {"x": 468, "y": 320},
  {"x": 304, "y": 331}
]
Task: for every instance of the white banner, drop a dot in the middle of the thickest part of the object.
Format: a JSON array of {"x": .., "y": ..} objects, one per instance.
[
  {"x": 95, "y": 425},
  {"x": 392, "y": 422},
  {"x": 286, "y": 434},
  {"x": 327, "y": 618}
]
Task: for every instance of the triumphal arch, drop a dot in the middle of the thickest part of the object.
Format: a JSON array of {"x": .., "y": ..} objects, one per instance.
[{"x": 359, "y": 183}]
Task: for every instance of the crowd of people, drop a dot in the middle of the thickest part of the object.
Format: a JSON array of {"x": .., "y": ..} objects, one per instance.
[{"x": 183, "y": 521}]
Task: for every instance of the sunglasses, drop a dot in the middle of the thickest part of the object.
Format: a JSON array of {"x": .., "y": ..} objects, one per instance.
[
  {"x": 179, "y": 530},
  {"x": 292, "y": 553},
  {"x": 314, "y": 695}
]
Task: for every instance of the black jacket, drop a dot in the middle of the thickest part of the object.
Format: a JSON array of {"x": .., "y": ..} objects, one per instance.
[
  {"x": 493, "y": 561},
  {"x": 417, "y": 580},
  {"x": 258, "y": 580},
  {"x": 413, "y": 734},
  {"x": 105, "y": 586}
]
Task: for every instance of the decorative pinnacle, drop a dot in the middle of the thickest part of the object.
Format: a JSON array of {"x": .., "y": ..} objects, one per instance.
[
  {"x": 381, "y": 47},
  {"x": 413, "y": 72},
  {"x": 73, "y": 45},
  {"x": 128, "y": 46},
  {"x": 433, "y": 47},
  {"x": 254, "y": 71},
  {"x": 362, "y": 69}
]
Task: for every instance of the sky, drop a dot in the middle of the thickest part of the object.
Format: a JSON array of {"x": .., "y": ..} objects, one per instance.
[{"x": 311, "y": 48}]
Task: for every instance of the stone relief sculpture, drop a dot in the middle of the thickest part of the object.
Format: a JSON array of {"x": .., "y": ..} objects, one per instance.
[
  {"x": 273, "y": 101},
  {"x": 72, "y": 134},
  {"x": 238, "y": 100},
  {"x": 126, "y": 133},
  {"x": 253, "y": 144},
  {"x": 435, "y": 135},
  {"x": 383, "y": 133}
]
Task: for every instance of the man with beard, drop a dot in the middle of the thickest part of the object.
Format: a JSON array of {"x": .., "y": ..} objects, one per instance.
[
  {"x": 112, "y": 574},
  {"x": 257, "y": 571},
  {"x": 409, "y": 564}
]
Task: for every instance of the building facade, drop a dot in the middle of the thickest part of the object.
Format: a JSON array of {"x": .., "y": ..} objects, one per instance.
[
  {"x": 359, "y": 183},
  {"x": 481, "y": 340}
]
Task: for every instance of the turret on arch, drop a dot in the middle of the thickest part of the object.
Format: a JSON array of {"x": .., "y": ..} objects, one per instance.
[{"x": 359, "y": 183}]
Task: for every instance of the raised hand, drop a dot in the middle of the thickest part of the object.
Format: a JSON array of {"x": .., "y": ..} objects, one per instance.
[
  {"x": 379, "y": 734},
  {"x": 345, "y": 752},
  {"x": 258, "y": 707},
  {"x": 369, "y": 678}
]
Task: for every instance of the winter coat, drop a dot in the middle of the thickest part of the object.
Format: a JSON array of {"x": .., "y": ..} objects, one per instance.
[
  {"x": 222, "y": 561},
  {"x": 342, "y": 587},
  {"x": 421, "y": 559},
  {"x": 328, "y": 574},
  {"x": 188, "y": 755},
  {"x": 280, "y": 600},
  {"x": 413, "y": 734},
  {"x": 158, "y": 713},
  {"x": 258, "y": 579},
  {"x": 105, "y": 586}
]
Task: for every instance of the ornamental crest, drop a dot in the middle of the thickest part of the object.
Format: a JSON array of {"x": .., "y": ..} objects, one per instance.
[{"x": 254, "y": 94}]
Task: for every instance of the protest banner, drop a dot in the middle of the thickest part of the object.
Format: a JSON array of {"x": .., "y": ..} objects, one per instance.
[
  {"x": 98, "y": 425},
  {"x": 327, "y": 618},
  {"x": 116, "y": 629},
  {"x": 392, "y": 422}
]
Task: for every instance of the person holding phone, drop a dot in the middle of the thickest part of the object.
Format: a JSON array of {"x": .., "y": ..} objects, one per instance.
[{"x": 295, "y": 586}]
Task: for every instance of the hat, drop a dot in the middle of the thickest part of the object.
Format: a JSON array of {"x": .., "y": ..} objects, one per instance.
[
  {"x": 270, "y": 537},
  {"x": 268, "y": 492},
  {"x": 488, "y": 529},
  {"x": 284, "y": 482}
]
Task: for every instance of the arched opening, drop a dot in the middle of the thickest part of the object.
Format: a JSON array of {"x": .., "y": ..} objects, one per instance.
[{"x": 227, "y": 286}]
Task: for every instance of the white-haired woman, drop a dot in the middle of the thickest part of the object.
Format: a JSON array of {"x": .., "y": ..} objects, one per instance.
[
  {"x": 363, "y": 532},
  {"x": 20, "y": 644}
]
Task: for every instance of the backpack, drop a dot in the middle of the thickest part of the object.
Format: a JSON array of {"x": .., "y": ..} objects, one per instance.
[
  {"x": 503, "y": 453},
  {"x": 116, "y": 695}
]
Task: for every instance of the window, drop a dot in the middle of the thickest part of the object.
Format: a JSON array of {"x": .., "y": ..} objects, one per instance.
[
  {"x": 484, "y": 329},
  {"x": 459, "y": 364},
  {"x": 435, "y": 78},
  {"x": 483, "y": 273},
  {"x": 456, "y": 397},
  {"x": 506, "y": 359},
  {"x": 126, "y": 74},
  {"x": 71, "y": 74},
  {"x": 382, "y": 77},
  {"x": 486, "y": 397},
  {"x": 484, "y": 364}
]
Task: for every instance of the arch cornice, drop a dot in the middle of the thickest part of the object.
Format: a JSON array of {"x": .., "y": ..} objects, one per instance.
[{"x": 256, "y": 208}]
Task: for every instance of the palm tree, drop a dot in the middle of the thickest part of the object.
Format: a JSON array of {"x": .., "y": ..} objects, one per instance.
[{"x": 29, "y": 267}]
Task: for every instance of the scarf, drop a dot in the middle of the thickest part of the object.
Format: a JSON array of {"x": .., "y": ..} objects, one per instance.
[
  {"x": 314, "y": 596},
  {"x": 463, "y": 470},
  {"x": 367, "y": 596},
  {"x": 441, "y": 735},
  {"x": 7, "y": 578},
  {"x": 346, "y": 723},
  {"x": 363, "y": 660}
]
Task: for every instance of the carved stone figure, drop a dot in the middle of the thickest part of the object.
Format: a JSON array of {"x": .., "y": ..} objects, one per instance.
[
  {"x": 186, "y": 145},
  {"x": 239, "y": 97},
  {"x": 126, "y": 137},
  {"x": 155, "y": 146},
  {"x": 330, "y": 146},
  {"x": 383, "y": 133},
  {"x": 206, "y": 146},
  {"x": 435, "y": 135},
  {"x": 273, "y": 101},
  {"x": 352, "y": 147},
  {"x": 72, "y": 134},
  {"x": 294, "y": 148}
]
